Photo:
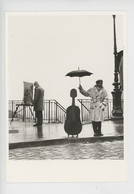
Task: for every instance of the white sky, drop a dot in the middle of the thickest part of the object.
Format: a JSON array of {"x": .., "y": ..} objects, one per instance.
[{"x": 45, "y": 47}]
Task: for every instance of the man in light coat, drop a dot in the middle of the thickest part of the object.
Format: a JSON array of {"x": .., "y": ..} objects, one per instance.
[
  {"x": 38, "y": 103},
  {"x": 99, "y": 99}
]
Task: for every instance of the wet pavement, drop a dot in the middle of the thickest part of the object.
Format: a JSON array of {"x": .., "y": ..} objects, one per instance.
[
  {"x": 74, "y": 151},
  {"x": 51, "y": 142},
  {"x": 20, "y": 131}
]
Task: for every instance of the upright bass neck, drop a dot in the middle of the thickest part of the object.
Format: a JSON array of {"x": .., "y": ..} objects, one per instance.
[{"x": 73, "y": 101}]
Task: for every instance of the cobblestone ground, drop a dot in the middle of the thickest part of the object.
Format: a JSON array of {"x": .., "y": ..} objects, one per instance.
[{"x": 107, "y": 150}]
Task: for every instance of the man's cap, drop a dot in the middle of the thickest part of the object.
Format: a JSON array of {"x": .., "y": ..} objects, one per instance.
[{"x": 99, "y": 80}]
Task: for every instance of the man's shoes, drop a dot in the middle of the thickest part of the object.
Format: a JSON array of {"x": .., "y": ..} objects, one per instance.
[
  {"x": 98, "y": 134},
  {"x": 35, "y": 125}
]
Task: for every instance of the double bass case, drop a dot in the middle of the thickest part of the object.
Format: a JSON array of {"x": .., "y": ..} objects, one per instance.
[{"x": 73, "y": 124}]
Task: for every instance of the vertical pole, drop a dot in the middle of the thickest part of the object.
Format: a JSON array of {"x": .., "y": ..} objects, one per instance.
[
  {"x": 116, "y": 84},
  {"x": 117, "y": 110}
]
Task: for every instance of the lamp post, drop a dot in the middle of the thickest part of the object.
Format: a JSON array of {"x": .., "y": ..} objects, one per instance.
[{"x": 117, "y": 112}]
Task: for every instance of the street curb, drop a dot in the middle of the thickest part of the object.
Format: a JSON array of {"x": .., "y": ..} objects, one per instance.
[{"x": 39, "y": 143}]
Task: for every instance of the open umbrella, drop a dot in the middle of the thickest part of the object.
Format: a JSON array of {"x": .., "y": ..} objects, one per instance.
[{"x": 79, "y": 73}]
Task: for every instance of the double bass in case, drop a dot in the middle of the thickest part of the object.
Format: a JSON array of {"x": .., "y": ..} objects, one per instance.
[{"x": 73, "y": 124}]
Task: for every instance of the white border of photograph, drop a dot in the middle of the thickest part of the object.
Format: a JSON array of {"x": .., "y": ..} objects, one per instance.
[{"x": 127, "y": 187}]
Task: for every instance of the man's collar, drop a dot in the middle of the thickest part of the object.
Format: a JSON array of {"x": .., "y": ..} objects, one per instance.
[{"x": 98, "y": 88}]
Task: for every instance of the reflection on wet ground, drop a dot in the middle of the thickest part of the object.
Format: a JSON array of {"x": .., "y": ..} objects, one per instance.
[{"x": 26, "y": 131}]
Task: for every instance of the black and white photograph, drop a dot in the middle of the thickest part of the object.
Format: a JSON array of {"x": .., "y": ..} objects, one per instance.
[{"x": 66, "y": 88}]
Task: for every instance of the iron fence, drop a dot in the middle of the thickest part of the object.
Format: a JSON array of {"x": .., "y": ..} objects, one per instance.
[{"x": 55, "y": 112}]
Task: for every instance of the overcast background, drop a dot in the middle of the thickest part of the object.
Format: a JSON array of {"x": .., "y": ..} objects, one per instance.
[{"x": 45, "y": 47}]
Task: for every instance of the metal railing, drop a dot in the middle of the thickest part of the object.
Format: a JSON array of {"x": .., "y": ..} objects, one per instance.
[{"x": 53, "y": 111}]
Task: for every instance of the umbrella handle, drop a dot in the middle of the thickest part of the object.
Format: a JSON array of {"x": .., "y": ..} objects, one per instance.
[
  {"x": 79, "y": 81},
  {"x": 79, "y": 77}
]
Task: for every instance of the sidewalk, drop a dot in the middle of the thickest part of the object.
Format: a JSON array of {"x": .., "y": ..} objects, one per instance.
[{"x": 23, "y": 134}]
